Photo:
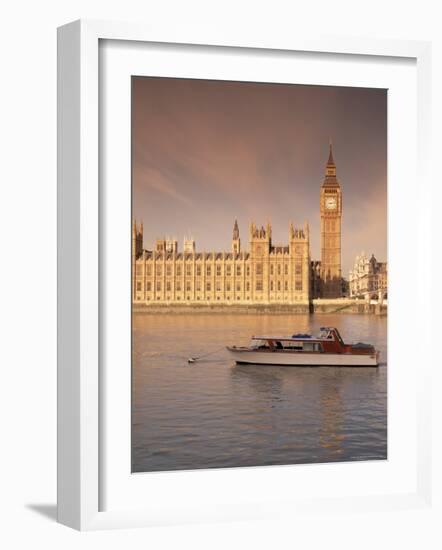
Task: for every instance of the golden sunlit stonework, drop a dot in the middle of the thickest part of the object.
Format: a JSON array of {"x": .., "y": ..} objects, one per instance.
[
  {"x": 263, "y": 274},
  {"x": 331, "y": 215}
]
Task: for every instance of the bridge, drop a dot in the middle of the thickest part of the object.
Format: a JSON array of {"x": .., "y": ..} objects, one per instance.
[{"x": 378, "y": 296}]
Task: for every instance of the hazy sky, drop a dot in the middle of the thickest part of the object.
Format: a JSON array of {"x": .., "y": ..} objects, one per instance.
[{"x": 208, "y": 152}]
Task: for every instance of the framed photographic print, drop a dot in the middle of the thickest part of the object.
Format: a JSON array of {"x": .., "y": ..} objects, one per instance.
[
  {"x": 233, "y": 276},
  {"x": 201, "y": 160}
]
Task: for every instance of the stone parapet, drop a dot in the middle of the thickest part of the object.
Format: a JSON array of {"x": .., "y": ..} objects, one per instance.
[{"x": 339, "y": 305}]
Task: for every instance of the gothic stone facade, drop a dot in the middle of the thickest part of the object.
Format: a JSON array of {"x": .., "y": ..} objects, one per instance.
[
  {"x": 368, "y": 279},
  {"x": 262, "y": 274}
]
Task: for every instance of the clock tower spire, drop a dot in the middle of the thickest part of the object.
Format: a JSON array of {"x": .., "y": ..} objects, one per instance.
[{"x": 331, "y": 214}]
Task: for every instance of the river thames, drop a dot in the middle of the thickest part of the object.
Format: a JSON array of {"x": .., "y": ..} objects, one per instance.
[{"x": 215, "y": 414}]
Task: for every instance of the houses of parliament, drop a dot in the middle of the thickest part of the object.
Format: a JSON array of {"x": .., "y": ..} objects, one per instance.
[{"x": 260, "y": 273}]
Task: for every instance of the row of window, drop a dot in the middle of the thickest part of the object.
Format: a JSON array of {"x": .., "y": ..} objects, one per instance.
[
  {"x": 228, "y": 283},
  {"x": 208, "y": 298},
  {"x": 228, "y": 271},
  {"x": 218, "y": 286},
  {"x": 188, "y": 270}
]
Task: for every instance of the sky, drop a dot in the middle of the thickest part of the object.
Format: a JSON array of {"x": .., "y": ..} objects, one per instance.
[{"x": 205, "y": 153}]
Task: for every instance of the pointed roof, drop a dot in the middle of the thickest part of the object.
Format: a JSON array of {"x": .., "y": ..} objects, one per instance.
[
  {"x": 331, "y": 161},
  {"x": 236, "y": 230},
  {"x": 330, "y": 179}
]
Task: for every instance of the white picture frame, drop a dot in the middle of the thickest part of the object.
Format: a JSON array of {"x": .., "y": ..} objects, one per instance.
[{"x": 79, "y": 275}]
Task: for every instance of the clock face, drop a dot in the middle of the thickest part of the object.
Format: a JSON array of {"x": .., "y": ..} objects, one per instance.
[{"x": 330, "y": 203}]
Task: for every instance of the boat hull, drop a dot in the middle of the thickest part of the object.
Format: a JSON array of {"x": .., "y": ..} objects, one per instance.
[{"x": 302, "y": 359}]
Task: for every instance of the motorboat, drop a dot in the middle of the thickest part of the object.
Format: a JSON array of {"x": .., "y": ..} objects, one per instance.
[{"x": 306, "y": 350}]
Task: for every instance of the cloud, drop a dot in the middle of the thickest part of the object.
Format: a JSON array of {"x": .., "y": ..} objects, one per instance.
[{"x": 156, "y": 181}]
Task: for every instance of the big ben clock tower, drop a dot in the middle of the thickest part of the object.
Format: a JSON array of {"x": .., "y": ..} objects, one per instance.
[{"x": 331, "y": 214}]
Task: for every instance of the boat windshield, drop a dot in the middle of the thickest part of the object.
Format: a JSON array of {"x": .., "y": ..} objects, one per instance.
[
  {"x": 324, "y": 333},
  {"x": 259, "y": 344}
]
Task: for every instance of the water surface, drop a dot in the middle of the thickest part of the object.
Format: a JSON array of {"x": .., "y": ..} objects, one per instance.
[{"x": 214, "y": 414}]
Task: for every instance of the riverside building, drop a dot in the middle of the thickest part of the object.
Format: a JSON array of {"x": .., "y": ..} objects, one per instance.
[{"x": 258, "y": 273}]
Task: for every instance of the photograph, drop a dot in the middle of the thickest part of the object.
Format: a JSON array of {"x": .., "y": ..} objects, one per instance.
[{"x": 259, "y": 274}]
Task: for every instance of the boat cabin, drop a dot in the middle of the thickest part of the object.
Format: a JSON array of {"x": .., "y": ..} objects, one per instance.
[
  {"x": 325, "y": 349},
  {"x": 328, "y": 341},
  {"x": 290, "y": 344}
]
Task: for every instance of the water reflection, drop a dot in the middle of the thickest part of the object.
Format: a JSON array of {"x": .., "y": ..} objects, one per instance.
[
  {"x": 265, "y": 381},
  {"x": 332, "y": 411}
]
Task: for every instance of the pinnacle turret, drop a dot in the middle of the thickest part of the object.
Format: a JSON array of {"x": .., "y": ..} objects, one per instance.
[{"x": 235, "y": 231}]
